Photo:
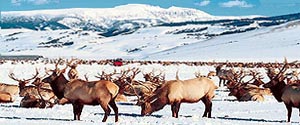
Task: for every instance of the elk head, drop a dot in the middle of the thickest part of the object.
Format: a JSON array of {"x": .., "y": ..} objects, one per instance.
[
  {"x": 277, "y": 83},
  {"x": 154, "y": 78},
  {"x": 22, "y": 82},
  {"x": 277, "y": 79},
  {"x": 55, "y": 72}
]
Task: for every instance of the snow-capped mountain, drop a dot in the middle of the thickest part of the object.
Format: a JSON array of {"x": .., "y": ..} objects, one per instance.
[
  {"x": 136, "y": 32},
  {"x": 124, "y": 19},
  {"x": 110, "y": 21}
]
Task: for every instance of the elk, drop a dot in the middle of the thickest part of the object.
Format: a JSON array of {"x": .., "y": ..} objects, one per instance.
[
  {"x": 209, "y": 74},
  {"x": 22, "y": 83},
  {"x": 175, "y": 92},
  {"x": 288, "y": 94},
  {"x": 5, "y": 97},
  {"x": 245, "y": 91},
  {"x": 131, "y": 87},
  {"x": 80, "y": 92},
  {"x": 32, "y": 90},
  {"x": 223, "y": 74},
  {"x": 155, "y": 78},
  {"x": 31, "y": 101},
  {"x": 40, "y": 102},
  {"x": 34, "y": 95},
  {"x": 11, "y": 89}
]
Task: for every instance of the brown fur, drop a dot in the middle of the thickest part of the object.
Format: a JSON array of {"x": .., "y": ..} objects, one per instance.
[
  {"x": 80, "y": 92},
  {"x": 11, "y": 89},
  {"x": 175, "y": 92},
  {"x": 33, "y": 90},
  {"x": 5, "y": 97},
  {"x": 31, "y": 101},
  {"x": 289, "y": 94}
]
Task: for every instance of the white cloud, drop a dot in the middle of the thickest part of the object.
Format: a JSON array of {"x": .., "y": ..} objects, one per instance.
[
  {"x": 38, "y": 2},
  {"x": 203, "y": 3},
  {"x": 16, "y": 2},
  {"x": 34, "y": 2},
  {"x": 236, "y": 3}
]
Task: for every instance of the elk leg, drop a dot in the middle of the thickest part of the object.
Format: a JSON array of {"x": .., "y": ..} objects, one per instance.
[
  {"x": 206, "y": 103},
  {"x": 77, "y": 109},
  {"x": 177, "y": 109},
  {"x": 220, "y": 80},
  {"x": 289, "y": 109},
  {"x": 224, "y": 82},
  {"x": 173, "y": 108},
  {"x": 115, "y": 108},
  {"x": 106, "y": 110},
  {"x": 209, "y": 108},
  {"x": 80, "y": 107}
]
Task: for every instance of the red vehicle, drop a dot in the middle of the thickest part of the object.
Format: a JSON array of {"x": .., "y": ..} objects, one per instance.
[{"x": 118, "y": 62}]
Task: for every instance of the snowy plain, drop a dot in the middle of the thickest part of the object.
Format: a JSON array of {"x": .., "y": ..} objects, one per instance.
[
  {"x": 264, "y": 44},
  {"x": 225, "y": 109}
]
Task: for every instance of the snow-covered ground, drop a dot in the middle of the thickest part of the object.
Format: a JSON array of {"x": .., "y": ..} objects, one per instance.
[
  {"x": 224, "y": 111},
  {"x": 159, "y": 43},
  {"x": 148, "y": 32}
]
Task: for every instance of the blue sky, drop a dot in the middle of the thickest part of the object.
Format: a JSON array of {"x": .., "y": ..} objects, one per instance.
[{"x": 213, "y": 7}]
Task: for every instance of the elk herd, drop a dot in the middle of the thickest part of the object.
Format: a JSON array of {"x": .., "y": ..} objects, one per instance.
[{"x": 64, "y": 86}]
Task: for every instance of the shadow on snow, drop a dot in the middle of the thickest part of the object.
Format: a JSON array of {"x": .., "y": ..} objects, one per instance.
[
  {"x": 252, "y": 119},
  {"x": 55, "y": 119},
  {"x": 131, "y": 115}
]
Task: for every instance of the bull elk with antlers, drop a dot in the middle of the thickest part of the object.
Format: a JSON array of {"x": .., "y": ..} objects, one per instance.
[
  {"x": 246, "y": 91},
  {"x": 288, "y": 94},
  {"x": 81, "y": 92},
  {"x": 34, "y": 96}
]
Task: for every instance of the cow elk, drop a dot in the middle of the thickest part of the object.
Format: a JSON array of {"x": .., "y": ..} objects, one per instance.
[
  {"x": 288, "y": 94},
  {"x": 11, "y": 89},
  {"x": 81, "y": 92},
  {"x": 223, "y": 74},
  {"x": 175, "y": 92},
  {"x": 5, "y": 97},
  {"x": 209, "y": 75}
]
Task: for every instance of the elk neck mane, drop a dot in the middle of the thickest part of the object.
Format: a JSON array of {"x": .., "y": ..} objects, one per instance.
[
  {"x": 277, "y": 90},
  {"x": 58, "y": 85}
]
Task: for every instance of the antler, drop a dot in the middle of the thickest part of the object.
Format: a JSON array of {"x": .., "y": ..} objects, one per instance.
[
  {"x": 73, "y": 65},
  {"x": 86, "y": 77},
  {"x": 12, "y": 76},
  {"x": 105, "y": 76},
  {"x": 197, "y": 74},
  {"x": 284, "y": 68},
  {"x": 253, "y": 74},
  {"x": 34, "y": 76},
  {"x": 135, "y": 71}
]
